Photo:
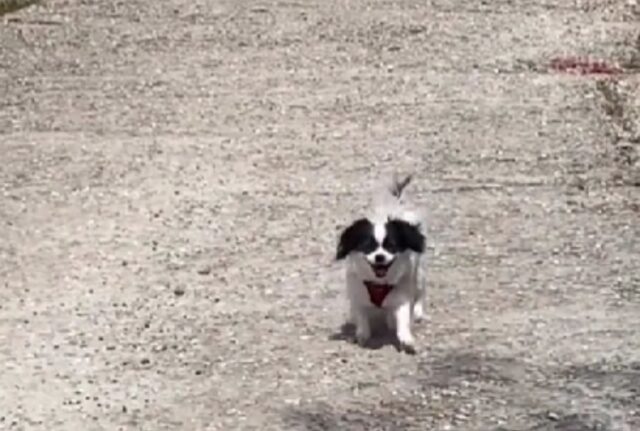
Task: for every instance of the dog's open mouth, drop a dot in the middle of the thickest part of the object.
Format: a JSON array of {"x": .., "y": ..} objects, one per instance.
[{"x": 379, "y": 269}]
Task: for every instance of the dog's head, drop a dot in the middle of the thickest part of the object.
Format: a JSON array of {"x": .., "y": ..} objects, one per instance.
[{"x": 381, "y": 249}]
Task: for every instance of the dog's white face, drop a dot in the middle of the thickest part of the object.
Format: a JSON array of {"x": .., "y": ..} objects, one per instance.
[{"x": 381, "y": 250}]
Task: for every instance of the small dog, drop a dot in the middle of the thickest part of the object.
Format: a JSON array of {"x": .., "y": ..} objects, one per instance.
[{"x": 384, "y": 277}]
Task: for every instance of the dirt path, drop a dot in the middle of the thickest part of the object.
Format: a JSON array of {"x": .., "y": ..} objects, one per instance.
[{"x": 174, "y": 174}]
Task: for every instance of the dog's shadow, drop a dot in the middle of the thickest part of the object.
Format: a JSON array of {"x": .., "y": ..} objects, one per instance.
[{"x": 381, "y": 336}]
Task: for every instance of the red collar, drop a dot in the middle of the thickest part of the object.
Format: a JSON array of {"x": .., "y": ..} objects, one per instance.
[{"x": 378, "y": 292}]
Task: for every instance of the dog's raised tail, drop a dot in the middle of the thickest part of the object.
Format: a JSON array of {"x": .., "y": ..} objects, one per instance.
[
  {"x": 390, "y": 193},
  {"x": 398, "y": 184}
]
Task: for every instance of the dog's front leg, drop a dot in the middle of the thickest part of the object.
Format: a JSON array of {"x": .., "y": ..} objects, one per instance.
[
  {"x": 402, "y": 316},
  {"x": 363, "y": 328}
]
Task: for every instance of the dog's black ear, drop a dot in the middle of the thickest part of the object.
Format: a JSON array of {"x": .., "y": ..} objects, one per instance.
[
  {"x": 408, "y": 235},
  {"x": 353, "y": 236}
]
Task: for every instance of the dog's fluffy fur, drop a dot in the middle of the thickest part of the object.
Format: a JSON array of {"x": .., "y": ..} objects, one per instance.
[{"x": 384, "y": 276}]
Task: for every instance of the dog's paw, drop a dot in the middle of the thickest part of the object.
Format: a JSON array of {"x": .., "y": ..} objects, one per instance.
[
  {"x": 362, "y": 336},
  {"x": 408, "y": 348},
  {"x": 418, "y": 313},
  {"x": 418, "y": 316},
  {"x": 362, "y": 341},
  {"x": 407, "y": 344}
]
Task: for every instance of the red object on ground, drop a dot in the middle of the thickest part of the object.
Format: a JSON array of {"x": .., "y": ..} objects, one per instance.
[{"x": 583, "y": 66}]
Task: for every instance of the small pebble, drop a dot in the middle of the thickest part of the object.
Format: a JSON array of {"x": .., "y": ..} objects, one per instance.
[
  {"x": 205, "y": 270},
  {"x": 553, "y": 416}
]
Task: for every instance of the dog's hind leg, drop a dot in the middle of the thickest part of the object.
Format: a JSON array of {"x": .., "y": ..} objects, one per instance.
[
  {"x": 418, "y": 310},
  {"x": 420, "y": 300}
]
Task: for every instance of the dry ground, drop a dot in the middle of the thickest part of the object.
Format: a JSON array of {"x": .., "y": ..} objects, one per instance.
[{"x": 174, "y": 173}]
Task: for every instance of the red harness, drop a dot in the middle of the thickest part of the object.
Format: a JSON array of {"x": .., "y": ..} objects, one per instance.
[{"x": 377, "y": 292}]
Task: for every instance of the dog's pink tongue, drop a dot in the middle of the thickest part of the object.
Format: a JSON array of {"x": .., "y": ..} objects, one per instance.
[{"x": 378, "y": 292}]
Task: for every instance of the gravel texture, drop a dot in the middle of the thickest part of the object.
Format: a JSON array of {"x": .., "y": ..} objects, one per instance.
[{"x": 174, "y": 174}]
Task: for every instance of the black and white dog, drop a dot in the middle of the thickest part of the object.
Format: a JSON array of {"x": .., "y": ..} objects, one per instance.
[{"x": 384, "y": 275}]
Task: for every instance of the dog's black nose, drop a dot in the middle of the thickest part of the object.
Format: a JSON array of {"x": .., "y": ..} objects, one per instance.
[{"x": 379, "y": 258}]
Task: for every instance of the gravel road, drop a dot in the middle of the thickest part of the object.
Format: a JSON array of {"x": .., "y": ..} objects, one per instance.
[{"x": 174, "y": 174}]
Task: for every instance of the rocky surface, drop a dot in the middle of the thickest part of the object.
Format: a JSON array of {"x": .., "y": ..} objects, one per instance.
[{"x": 173, "y": 176}]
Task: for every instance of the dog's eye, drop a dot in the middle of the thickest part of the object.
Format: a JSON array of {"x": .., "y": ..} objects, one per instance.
[
  {"x": 368, "y": 245},
  {"x": 390, "y": 245}
]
